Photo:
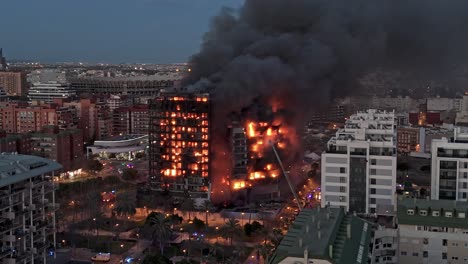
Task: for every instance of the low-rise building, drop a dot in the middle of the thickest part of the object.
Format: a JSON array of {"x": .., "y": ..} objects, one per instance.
[
  {"x": 432, "y": 231},
  {"x": 49, "y": 91},
  {"x": 326, "y": 236},
  {"x": 27, "y": 208},
  {"x": 122, "y": 147}
]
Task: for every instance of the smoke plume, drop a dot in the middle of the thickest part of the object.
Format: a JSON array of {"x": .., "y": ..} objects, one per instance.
[
  {"x": 303, "y": 53},
  {"x": 314, "y": 50}
]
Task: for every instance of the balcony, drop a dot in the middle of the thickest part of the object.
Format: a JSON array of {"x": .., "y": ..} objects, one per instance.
[
  {"x": 9, "y": 261},
  {"x": 9, "y": 238},
  {"x": 8, "y": 215}
]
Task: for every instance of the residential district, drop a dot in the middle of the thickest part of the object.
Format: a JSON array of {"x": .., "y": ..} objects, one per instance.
[{"x": 117, "y": 163}]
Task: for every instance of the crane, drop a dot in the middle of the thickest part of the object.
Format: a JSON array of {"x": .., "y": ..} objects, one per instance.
[{"x": 286, "y": 175}]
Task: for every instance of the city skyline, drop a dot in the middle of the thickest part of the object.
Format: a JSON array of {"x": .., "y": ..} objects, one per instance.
[{"x": 107, "y": 32}]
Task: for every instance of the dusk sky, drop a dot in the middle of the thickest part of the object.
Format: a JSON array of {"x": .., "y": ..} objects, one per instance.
[{"x": 152, "y": 31}]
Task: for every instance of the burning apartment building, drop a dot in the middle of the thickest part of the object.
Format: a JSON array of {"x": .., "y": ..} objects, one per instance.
[
  {"x": 179, "y": 144},
  {"x": 255, "y": 173}
]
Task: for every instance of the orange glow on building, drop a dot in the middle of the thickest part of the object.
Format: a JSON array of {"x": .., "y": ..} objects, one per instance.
[
  {"x": 236, "y": 185},
  {"x": 251, "y": 129},
  {"x": 179, "y": 143}
]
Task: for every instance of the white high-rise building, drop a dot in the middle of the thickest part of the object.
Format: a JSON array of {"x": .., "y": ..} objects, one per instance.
[
  {"x": 359, "y": 165},
  {"x": 47, "y": 92},
  {"x": 449, "y": 173}
]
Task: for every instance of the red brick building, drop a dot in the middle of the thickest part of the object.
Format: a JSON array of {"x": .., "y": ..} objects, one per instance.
[
  {"x": 65, "y": 147},
  {"x": 130, "y": 120}
]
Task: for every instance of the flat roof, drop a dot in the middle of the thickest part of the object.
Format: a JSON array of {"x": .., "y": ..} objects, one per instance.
[
  {"x": 123, "y": 138},
  {"x": 15, "y": 168}
]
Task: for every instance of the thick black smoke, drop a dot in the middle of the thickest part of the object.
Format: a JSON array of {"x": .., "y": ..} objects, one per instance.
[
  {"x": 307, "y": 52},
  {"x": 314, "y": 50}
]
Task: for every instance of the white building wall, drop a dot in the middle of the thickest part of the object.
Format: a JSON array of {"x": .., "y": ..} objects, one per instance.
[
  {"x": 457, "y": 152},
  {"x": 364, "y": 131}
]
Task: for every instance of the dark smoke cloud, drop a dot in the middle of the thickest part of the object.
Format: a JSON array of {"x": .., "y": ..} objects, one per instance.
[{"x": 314, "y": 50}]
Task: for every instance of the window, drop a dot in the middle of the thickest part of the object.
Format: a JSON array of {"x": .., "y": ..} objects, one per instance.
[
  {"x": 444, "y": 242},
  {"x": 461, "y": 215},
  {"x": 465, "y": 185},
  {"x": 342, "y": 198},
  {"x": 342, "y": 180},
  {"x": 464, "y": 195},
  {"x": 373, "y": 172},
  {"x": 444, "y": 255},
  {"x": 455, "y": 258},
  {"x": 425, "y": 241},
  {"x": 425, "y": 254},
  {"x": 465, "y": 175},
  {"x": 403, "y": 253},
  {"x": 466, "y": 245},
  {"x": 342, "y": 170},
  {"x": 415, "y": 254},
  {"x": 373, "y": 200},
  {"x": 409, "y": 211},
  {"x": 373, "y": 181},
  {"x": 435, "y": 213},
  {"x": 454, "y": 244},
  {"x": 342, "y": 189},
  {"x": 372, "y": 190},
  {"x": 448, "y": 214},
  {"x": 423, "y": 212},
  {"x": 373, "y": 162}
]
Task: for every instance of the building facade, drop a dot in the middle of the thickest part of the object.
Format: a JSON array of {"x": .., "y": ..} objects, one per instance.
[
  {"x": 49, "y": 91},
  {"x": 179, "y": 144},
  {"x": 27, "y": 208},
  {"x": 408, "y": 139},
  {"x": 432, "y": 231},
  {"x": 14, "y": 83},
  {"x": 449, "y": 170},
  {"x": 65, "y": 147},
  {"x": 359, "y": 165},
  {"x": 21, "y": 118},
  {"x": 136, "y": 86}
]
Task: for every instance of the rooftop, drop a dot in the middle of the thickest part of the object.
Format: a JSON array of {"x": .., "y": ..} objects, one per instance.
[
  {"x": 315, "y": 230},
  {"x": 437, "y": 213},
  {"x": 15, "y": 168},
  {"x": 124, "y": 138}
]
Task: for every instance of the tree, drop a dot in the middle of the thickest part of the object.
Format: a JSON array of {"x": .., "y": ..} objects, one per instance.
[
  {"x": 248, "y": 229},
  {"x": 139, "y": 155},
  {"x": 130, "y": 174},
  {"x": 422, "y": 192},
  {"x": 155, "y": 259},
  {"x": 207, "y": 207},
  {"x": 94, "y": 165},
  {"x": 231, "y": 228},
  {"x": 161, "y": 229},
  {"x": 198, "y": 225},
  {"x": 125, "y": 205},
  {"x": 187, "y": 206},
  {"x": 403, "y": 166}
]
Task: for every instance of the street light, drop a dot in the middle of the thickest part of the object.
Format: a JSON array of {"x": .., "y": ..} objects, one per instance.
[{"x": 242, "y": 218}]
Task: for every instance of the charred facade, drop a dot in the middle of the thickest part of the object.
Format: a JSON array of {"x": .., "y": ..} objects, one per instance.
[{"x": 179, "y": 144}]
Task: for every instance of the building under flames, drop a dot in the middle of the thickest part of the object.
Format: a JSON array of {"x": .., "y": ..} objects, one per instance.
[
  {"x": 255, "y": 170},
  {"x": 179, "y": 144}
]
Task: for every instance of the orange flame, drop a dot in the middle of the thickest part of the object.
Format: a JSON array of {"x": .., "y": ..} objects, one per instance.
[{"x": 251, "y": 129}]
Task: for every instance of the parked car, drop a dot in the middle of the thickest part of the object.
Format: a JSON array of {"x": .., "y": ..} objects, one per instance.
[{"x": 101, "y": 257}]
